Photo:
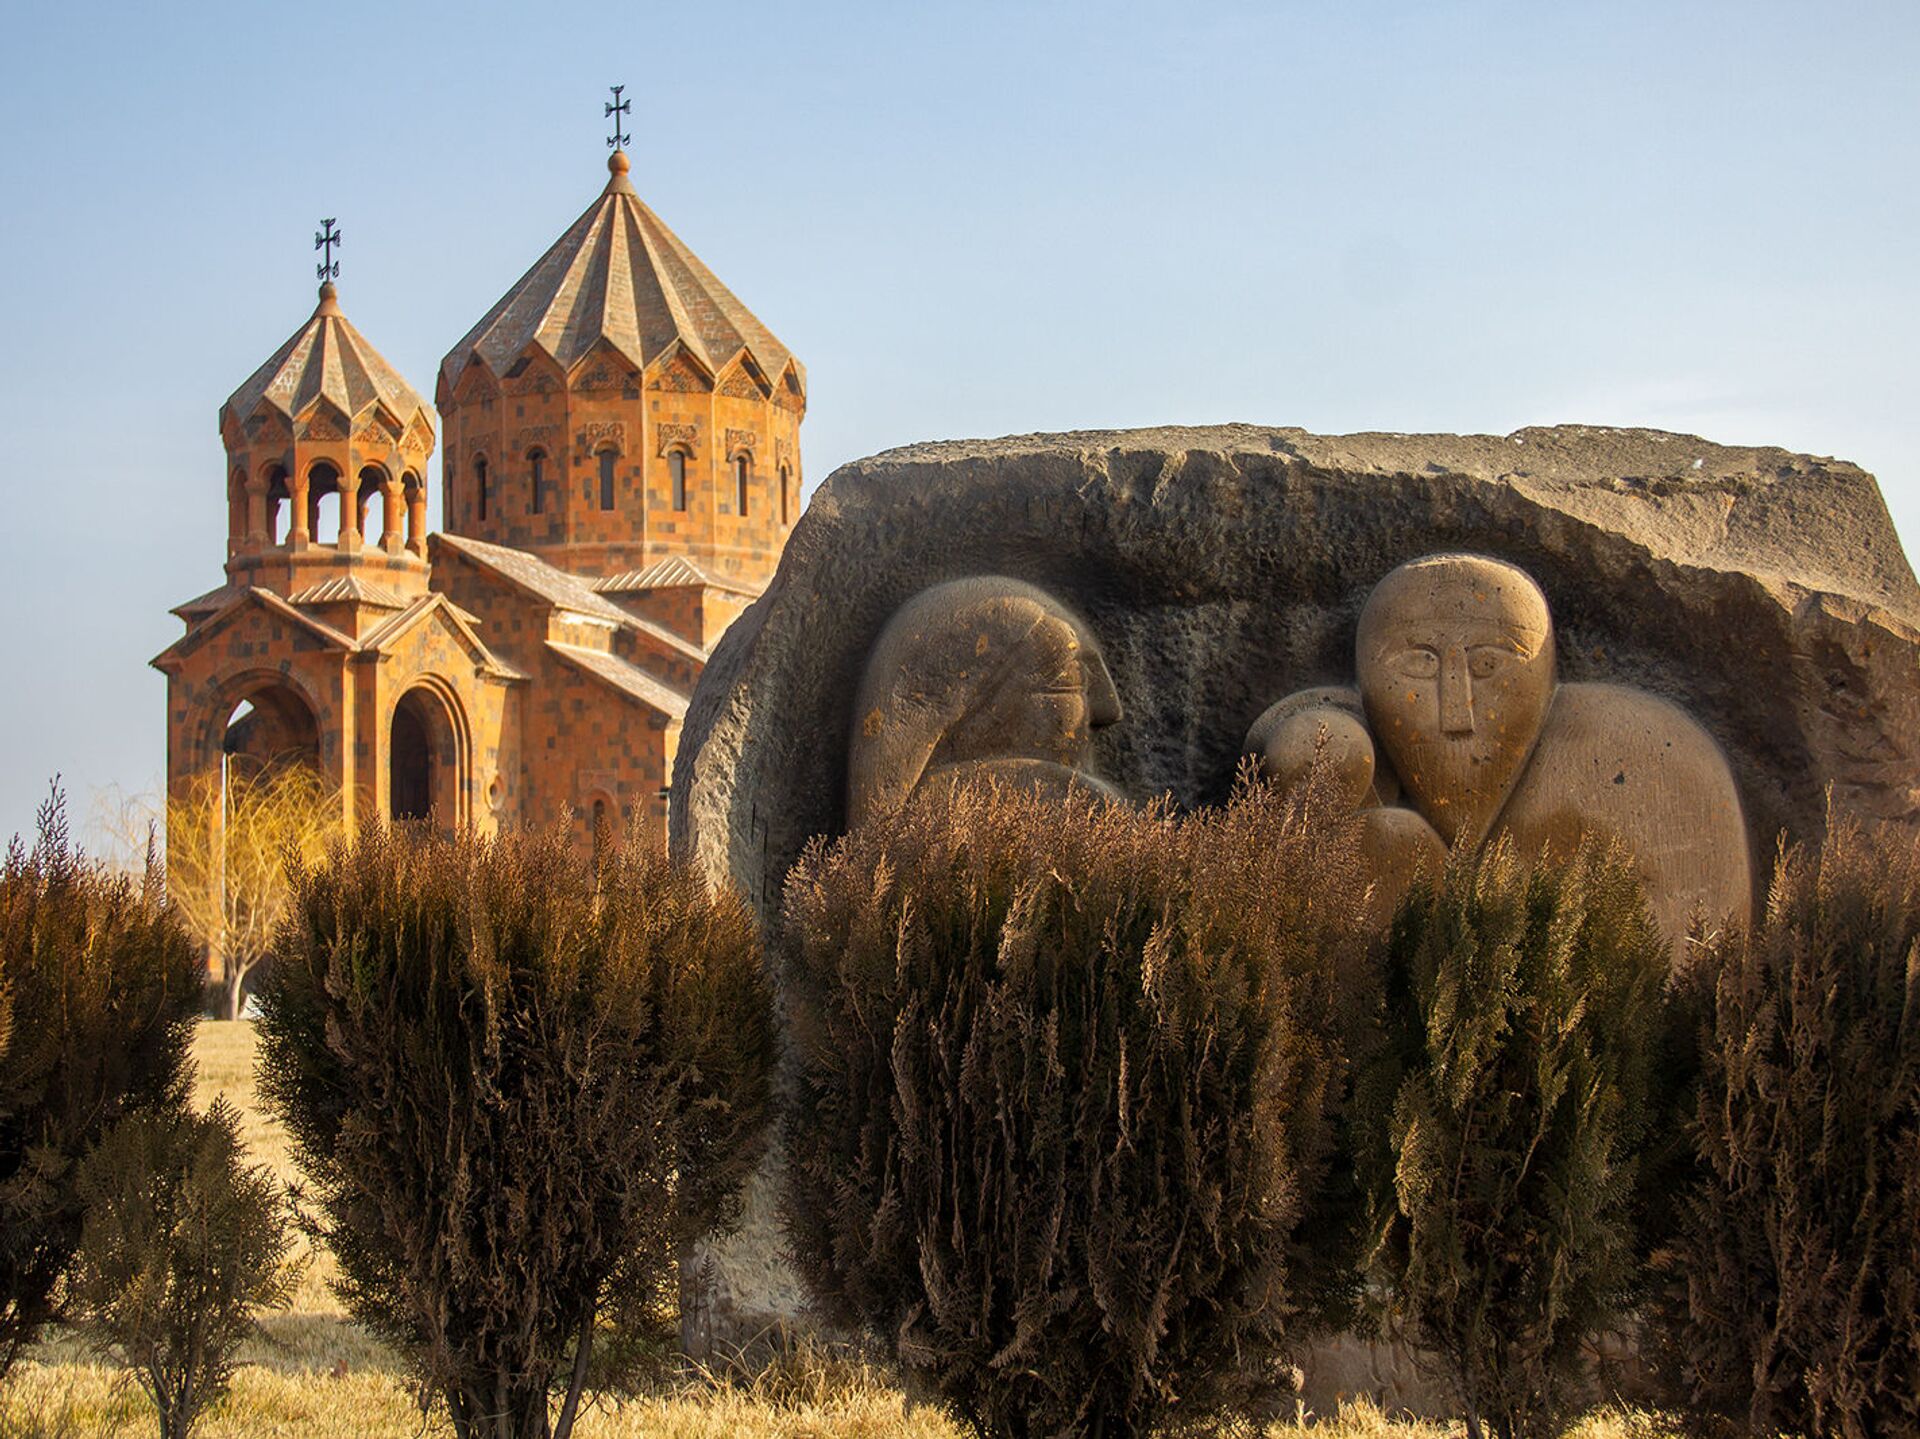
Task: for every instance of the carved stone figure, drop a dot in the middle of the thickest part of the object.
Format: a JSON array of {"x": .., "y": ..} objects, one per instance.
[
  {"x": 1765, "y": 593},
  {"x": 1455, "y": 657},
  {"x": 981, "y": 676}
]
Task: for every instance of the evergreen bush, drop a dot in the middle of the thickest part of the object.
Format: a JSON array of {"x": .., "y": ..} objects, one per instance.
[
  {"x": 1499, "y": 1119},
  {"x": 519, "y": 1084},
  {"x": 182, "y": 1244},
  {"x": 1792, "y": 1294},
  {"x": 1062, "y": 1089},
  {"x": 102, "y": 985}
]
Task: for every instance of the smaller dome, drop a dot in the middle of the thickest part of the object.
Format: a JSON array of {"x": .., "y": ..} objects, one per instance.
[{"x": 327, "y": 358}]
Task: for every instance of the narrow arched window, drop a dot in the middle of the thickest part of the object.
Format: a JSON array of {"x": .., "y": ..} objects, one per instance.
[
  {"x": 536, "y": 481},
  {"x": 786, "y": 499},
  {"x": 677, "y": 472},
  {"x": 276, "y": 497},
  {"x": 480, "y": 488},
  {"x": 742, "y": 472},
  {"x": 607, "y": 458}
]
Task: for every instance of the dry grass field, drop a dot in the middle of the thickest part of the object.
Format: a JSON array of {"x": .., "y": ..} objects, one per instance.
[{"x": 313, "y": 1373}]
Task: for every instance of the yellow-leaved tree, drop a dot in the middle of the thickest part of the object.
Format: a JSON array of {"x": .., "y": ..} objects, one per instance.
[{"x": 230, "y": 842}]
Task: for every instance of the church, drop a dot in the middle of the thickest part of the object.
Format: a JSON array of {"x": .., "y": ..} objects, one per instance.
[{"x": 620, "y": 469}]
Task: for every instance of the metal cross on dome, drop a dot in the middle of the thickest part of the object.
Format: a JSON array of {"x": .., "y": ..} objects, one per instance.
[
  {"x": 324, "y": 242},
  {"x": 616, "y": 108}
]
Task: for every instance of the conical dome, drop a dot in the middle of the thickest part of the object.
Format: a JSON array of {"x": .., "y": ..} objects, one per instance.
[
  {"x": 621, "y": 278},
  {"x": 327, "y": 359}
]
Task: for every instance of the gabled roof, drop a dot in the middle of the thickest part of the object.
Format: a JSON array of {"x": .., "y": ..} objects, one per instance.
[
  {"x": 329, "y": 361},
  {"x": 563, "y": 591},
  {"x": 368, "y": 646},
  {"x": 212, "y": 602},
  {"x": 619, "y": 277},
  {"x": 629, "y": 680},
  {"x": 348, "y": 589},
  {"x": 673, "y": 571},
  {"x": 243, "y": 598},
  {"x": 389, "y": 632}
]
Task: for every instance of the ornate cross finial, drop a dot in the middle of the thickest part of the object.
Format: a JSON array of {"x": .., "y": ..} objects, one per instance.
[
  {"x": 615, "y": 109},
  {"x": 328, "y": 267}
]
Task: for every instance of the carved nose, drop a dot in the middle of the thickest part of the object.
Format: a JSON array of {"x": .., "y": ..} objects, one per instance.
[{"x": 1456, "y": 692}]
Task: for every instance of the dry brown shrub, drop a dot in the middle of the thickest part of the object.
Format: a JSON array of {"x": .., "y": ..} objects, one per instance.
[
  {"x": 1063, "y": 1082},
  {"x": 519, "y": 1085},
  {"x": 1500, "y": 1121},
  {"x": 102, "y": 983},
  {"x": 1792, "y": 1301}
]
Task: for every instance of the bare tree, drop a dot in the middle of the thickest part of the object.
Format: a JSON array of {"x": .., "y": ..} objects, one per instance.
[{"x": 230, "y": 840}]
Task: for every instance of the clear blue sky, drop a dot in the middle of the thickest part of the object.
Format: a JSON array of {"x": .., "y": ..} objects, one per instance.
[{"x": 968, "y": 219}]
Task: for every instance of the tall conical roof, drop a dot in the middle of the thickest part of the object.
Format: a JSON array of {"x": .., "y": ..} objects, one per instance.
[
  {"x": 327, "y": 359},
  {"x": 620, "y": 277}
]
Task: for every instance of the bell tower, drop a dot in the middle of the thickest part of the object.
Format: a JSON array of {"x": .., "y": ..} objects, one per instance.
[{"x": 327, "y": 453}]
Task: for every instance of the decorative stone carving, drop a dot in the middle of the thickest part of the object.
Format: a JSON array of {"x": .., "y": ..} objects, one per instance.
[
  {"x": 1761, "y": 592},
  {"x": 419, "y": 439},
  {"x": 324, "y": 425},
  {"x": 679, "y": 376},
  {"x": 602, "y": 376},
  {"x": 740, "y": 439},
  {"x": 978, "y": 677},
  {"x": 742, "y": 385},
  {"x": 602, "y": 433},
  {"x": 528, "y": 436},
  {"x": 1455, "y": 658},
  {"x": 670, "y": 435}
]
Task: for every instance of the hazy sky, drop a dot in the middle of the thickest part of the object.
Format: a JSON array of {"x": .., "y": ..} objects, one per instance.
[{"x": 968, "y": 219}]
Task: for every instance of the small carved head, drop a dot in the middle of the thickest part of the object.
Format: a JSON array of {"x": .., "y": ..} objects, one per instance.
[
  {"x": 1455, "y": 658},
  {"x": 970, "y": 672}
]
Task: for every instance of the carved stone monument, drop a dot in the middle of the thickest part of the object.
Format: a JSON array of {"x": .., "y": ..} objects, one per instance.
[
  {"x": 1455, "y": 660},
  {"x": 978, "y": 676},
  {"x": 1682, "y": 645}
]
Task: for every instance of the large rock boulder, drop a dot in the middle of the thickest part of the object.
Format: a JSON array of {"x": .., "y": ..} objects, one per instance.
[
  {"x": 1756, "y": 595},
  {"x": 1218, "y": 569}
]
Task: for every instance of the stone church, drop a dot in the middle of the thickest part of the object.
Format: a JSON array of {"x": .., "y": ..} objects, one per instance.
[{"x": 620, "y": 470}]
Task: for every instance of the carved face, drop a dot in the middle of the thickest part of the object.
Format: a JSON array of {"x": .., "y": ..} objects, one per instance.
[
  {"x": 1455, "y": 660},
  {"x": 987, "y": 671},
  {"x": 1048, "y": 699}
]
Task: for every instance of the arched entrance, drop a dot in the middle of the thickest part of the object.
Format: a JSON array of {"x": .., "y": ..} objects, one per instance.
[
  {"x": 248, "y": 792},
  {"x": 427, "y": 758},
  {"x": 269, "y": 724},
  {"x": 410, "y": 785}
]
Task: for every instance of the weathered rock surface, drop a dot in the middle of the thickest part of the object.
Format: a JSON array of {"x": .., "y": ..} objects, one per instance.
[{"x": 1219, "y": 569}]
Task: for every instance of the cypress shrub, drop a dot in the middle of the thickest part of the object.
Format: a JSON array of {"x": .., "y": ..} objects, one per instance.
[
  {"x": 1062, "y": 1086},
  {"x": 1499, "y": 1121},
  {"x": 182, "y": 1243},
  {"x": 1791, "y": 1300},
  {"x": 519, "y": 1084},
  {"x": 101, "y": 984}
]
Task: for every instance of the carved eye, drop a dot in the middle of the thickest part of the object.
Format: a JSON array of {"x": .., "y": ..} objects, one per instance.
[
  {"x": 1419, "y": 663},
  {"x": 1486, "y": 661}
]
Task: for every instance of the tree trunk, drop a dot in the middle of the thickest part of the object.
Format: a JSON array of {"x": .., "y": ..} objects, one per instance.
[
  {"x": 582, "y": 1351},
  {"x": 234, "y": 984},
  {"x": 696, "y": 1314}
]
